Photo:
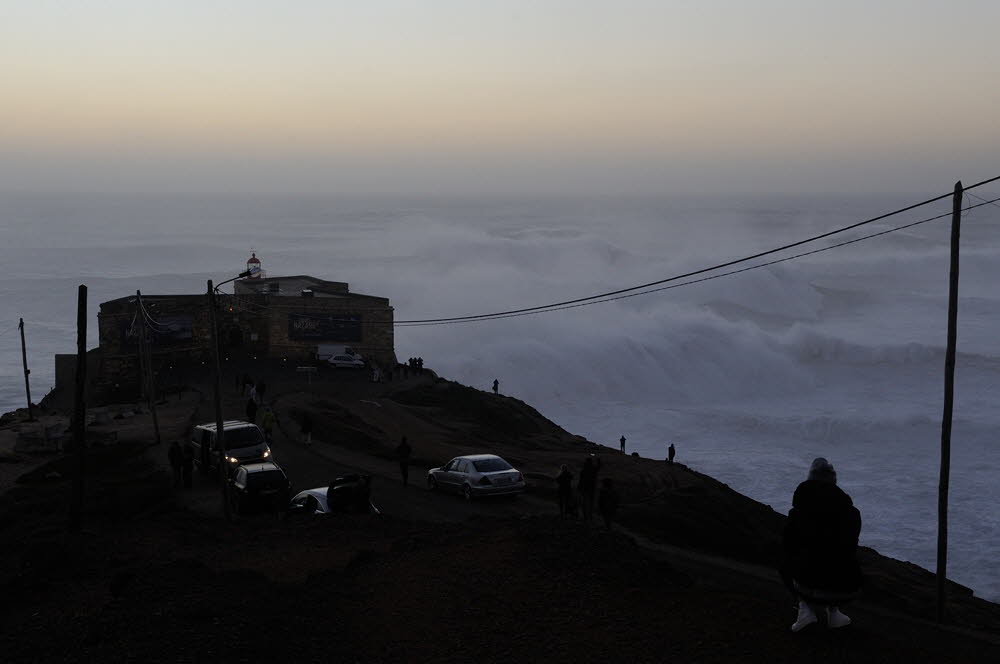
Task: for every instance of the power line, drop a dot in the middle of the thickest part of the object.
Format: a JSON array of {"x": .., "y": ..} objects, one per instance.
[
  {"x": 644, "y": 289},
  {"x": 695, "y": 281},
  {"x": 993, "y": 202},
  {"x": 719, "y": 266}
]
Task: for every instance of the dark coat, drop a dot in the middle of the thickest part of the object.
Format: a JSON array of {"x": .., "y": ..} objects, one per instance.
[
  {"x": 607, "y": 503},
  {"x": 175, "y": 455},
  {"x": 821, "y": 538},
  {"x": 564, "y": 480},
  {"x": 403, "y": 452},
  {"x": 588, "y": 476}
]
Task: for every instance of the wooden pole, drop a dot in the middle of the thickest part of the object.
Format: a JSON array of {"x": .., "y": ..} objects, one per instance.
[
  {"x": 24, "y": 361},
  {"x": 949, "y": 396},
  {"x": 219, "y": 429},
  {"x": 80, "y": 410},
  {"x": 147, "y": 356}
]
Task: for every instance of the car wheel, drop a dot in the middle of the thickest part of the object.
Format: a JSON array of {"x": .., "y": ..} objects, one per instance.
[
  {"x": 467, "y": 493},
  {"x": 432, "y": 483}
]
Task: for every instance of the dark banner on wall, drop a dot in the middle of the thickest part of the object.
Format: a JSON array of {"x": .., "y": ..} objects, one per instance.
[
  {"x": 324, "y": 327},
  {"x": 168, "y": 331}
]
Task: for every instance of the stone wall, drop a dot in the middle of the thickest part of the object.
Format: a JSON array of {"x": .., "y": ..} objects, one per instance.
[
  {"x": 185, "y": 337},
  {"x": 376, "y": 332}
]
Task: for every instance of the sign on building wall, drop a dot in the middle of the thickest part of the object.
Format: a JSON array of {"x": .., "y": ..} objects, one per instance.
[
  {"x": 168, "y": 331},
  {"x": 324, "y": 327}
]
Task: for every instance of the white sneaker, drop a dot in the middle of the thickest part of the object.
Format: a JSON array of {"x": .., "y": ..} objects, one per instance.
[
  {"x": 835, "y": 619},
  {"x": 805, "y": 618}
]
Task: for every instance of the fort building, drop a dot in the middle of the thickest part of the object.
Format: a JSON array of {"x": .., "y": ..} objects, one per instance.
[{"x": 266, "y": 317}]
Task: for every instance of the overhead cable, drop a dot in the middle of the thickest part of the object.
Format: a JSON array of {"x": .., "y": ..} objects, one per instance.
[
  {"x": 702, "y": 279},
  {"x": 719, "y": 266}
]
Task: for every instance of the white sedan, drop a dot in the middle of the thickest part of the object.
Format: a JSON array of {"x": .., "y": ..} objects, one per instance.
[
  {"x": 477, "y": 475},
  {"x": 346, "y": 362}
]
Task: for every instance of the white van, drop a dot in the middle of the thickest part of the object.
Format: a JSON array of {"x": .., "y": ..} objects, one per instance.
[{"x": 244, "y": 444}]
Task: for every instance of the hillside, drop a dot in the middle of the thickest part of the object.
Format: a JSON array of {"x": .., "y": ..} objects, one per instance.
[{"x": 158, "y": 575}]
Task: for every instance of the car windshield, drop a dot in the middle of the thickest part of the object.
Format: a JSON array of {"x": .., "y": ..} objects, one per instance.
[
  {"x": 491, "y": 465},
  {"x": 266, "y": 478},
  {"x": 242, "y": 437}
]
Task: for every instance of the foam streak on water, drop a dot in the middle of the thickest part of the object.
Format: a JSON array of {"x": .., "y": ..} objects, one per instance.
[{"x": 838, "y": 355}]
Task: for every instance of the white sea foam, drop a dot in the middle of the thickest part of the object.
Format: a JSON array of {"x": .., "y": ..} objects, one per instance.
[{"x": 751, "y": 376}]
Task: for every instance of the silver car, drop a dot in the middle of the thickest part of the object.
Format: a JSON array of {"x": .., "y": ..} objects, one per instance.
[{"x": 477, "y": 475}]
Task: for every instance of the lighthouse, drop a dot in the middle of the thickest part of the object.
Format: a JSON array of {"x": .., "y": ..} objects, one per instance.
[{"x": 253, "y": 266}]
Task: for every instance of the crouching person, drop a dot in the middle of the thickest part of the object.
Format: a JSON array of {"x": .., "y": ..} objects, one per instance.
[{"x": 820, "y": 542}]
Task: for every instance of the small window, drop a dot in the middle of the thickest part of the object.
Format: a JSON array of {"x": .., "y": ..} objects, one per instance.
[
  {"x": 463, "y": 466},
  {"x": 451, "y": 464}
]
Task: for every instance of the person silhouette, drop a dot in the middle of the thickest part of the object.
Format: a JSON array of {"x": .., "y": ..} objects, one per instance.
[
  {"x": 496, "y": 386},
  {"x": 403, "y": 452},
  {"x": 607, "y": 504},
  {"x": 587, "y": 485},
  {"x": 820, "y": 543},
  {"x": 621, "y": 441},
  {"x": 564, "y": 482},
  {"x": 670, "y": 453}
]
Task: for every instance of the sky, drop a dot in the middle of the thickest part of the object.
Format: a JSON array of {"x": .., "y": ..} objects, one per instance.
[{"x": 537, "y": 96}]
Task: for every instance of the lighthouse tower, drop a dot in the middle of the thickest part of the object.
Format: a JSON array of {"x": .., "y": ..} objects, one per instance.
[{"x": 253, "y": 266}]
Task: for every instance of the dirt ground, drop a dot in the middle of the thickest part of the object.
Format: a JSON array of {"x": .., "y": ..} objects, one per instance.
[{"x": 157, "y": 574}]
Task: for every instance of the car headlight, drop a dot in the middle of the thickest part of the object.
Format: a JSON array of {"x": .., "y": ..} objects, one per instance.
[
  {"x": 267, "y": 453},
  {"x": 233, "y": 460}
]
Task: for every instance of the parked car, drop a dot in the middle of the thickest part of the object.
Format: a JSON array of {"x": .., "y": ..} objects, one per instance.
[
  {"x": 350, "y": 494},
  {"x": 326, "y": 351},
  {"x": 477, "y": 475},
  {"x": 259, "y": 486},
  {"x": 244, "y": 444},
  {"x": 346, "y": 362}
]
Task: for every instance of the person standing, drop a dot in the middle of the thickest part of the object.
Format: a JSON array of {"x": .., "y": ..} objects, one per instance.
[
  {"x": 607, "y": 504},
  {"x": 307, "y": 429},
  {"x": 496, "y": 386},
  {"x": 251, "y": 409},
  {"x": 670, "y": 453},
  {"x": 621, "y": 441},
  {"x": 564, "y": 482},
  {"x": 187, "y": 465},
  {"x": 267, "y": 422},
  {"x": 403, "y": 452},
  {"x": 253, "y": 393},
  {"x": 176, "y": 457},
  {"x": 820, "y": 542},
  {"x": 587, "y": 486}
]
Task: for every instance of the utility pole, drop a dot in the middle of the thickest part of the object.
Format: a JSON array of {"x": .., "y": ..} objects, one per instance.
[
  {"x": 949, "y": 396},
  {"x": 147, "y": 356},
  {"x": 24, "y": 361},
  {"x": 80, "y": 410},
  {"x": 219, "y": 429}
]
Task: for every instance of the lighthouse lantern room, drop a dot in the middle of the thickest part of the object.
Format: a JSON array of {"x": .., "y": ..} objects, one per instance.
[{"x": 253, "y": 267}]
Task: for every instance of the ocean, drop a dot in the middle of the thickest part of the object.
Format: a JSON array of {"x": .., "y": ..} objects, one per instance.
[{"x": 838, "y": 354}]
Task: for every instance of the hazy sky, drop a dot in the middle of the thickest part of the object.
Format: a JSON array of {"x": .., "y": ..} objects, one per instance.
[{"x": 523, "y": 95}]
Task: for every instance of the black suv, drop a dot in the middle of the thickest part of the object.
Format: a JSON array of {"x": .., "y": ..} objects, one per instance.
[{"x": 259, "y": 487}]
